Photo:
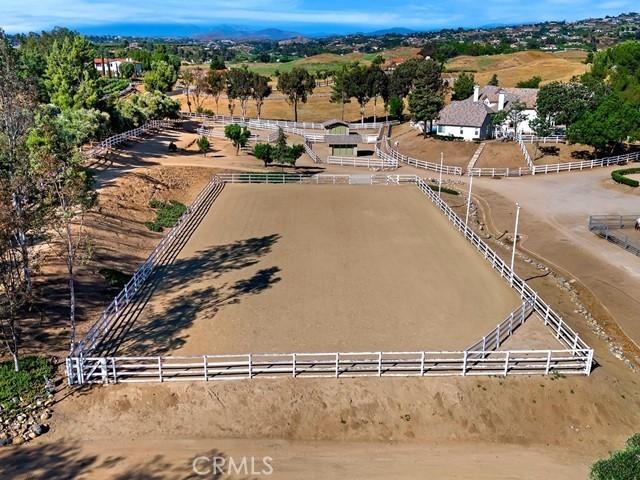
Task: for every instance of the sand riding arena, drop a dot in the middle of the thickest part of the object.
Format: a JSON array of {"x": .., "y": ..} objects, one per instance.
[{"x": 272, "y": 275}]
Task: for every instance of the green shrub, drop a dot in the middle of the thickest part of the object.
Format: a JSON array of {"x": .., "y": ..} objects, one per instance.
[
  {"x": 620, "y": 176},
  {"x": 621, "y": 465},
  {"x": 167, "y": 214},
  {"x": 450, "y": 191},
  {"x": 115, "y": 278},
  {"x": 29, "y": 382}
]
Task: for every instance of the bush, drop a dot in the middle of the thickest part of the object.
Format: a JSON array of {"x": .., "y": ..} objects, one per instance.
[
  {"x": 114, "y": 278},
  {"x": 203, "y": 145},
  {"x": 450, "y": 191},
  {"x": 621, "y": 465},
  {"x": 29, "y": 382},
  {"x": 619, "y": 176},
  {"x": 167, "y": 214}
]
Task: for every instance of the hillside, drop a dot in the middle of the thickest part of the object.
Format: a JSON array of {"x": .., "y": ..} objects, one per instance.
[
  {"x": 328, "y": 61},
  {"x": 517, "y": 66}
]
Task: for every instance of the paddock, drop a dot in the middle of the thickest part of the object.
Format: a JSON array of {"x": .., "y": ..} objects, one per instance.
[{"x": 280, "y": 268}]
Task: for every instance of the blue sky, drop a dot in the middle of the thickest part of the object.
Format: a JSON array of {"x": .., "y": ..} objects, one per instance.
[{"x": 306, "y": 16}]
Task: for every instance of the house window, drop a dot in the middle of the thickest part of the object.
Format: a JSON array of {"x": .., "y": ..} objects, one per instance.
[
  {"x": 440, "y": 129},
  {"x": 477, "y": 132},
  {"x": 461, "y": 131}
]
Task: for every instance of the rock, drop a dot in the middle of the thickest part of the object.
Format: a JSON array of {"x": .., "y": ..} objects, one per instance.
[
  {"x": 37, "y": 429},
  {"x": 44, "y": 416},
  {"x": 31, "y": 435},
  {"x": 5, "y": 441},
  {"x": 18, "y": 440}
]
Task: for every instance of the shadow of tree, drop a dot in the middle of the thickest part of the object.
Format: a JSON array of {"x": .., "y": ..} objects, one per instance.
[
  {"x": 66, "y": 460},
  {"x": 160, "y": 329}
]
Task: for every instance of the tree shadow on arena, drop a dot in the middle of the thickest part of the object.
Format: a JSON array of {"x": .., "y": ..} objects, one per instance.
[
  {"x": 147, "y": 329},
  {"x": 64, "y": 460}
]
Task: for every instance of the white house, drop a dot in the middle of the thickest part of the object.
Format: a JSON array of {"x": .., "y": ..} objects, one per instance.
[
  {"x": 470, "y": 119},
  {"x": 112, "y": 66}
]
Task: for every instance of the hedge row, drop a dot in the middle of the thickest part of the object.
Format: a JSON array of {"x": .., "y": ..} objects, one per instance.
[{"x": 619, "y": 176}]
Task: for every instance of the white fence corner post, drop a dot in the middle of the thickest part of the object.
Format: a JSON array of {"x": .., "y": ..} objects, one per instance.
[
  {"x": 250, "y": 358},
  {"x": 337, "y": 365},
  {"x": 506, "y": 363}
]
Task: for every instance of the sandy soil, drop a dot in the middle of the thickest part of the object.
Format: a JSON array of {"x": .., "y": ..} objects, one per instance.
[
  {"x": 501, "y": 154},
  {"x": 279, "y": 279},
  {"x": 413, "y": 143},
  {"x": 551, "y": 153},
  {"x": 485, "y": 428},
  {"x": 561, "y": 236}
]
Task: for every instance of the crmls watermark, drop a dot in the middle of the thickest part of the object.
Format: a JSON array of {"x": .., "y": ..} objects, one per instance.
[{"x": 217, "y": 466}]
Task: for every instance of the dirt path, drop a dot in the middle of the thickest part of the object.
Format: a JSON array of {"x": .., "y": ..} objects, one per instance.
[{"x": 554, "y": 221}]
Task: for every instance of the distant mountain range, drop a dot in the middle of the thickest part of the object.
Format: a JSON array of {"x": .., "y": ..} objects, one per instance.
[
  {"x": 216, "y": 32},
  {"x": 236, "y": 32}
]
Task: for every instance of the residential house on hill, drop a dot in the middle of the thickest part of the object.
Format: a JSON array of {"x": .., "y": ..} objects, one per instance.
[
  {"x": 111, "y": 66},
  {"x": 470, "y": 119}
]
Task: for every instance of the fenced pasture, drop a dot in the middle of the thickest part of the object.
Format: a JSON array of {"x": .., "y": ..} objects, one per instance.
[
  {"x": 617, "y": 229},
  {"x": 572, "y": 356}
]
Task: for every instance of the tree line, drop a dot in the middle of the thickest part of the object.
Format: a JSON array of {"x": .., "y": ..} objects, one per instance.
[{"x": 51, "y": 105}]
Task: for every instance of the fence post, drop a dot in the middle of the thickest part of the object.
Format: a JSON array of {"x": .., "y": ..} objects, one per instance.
[
  {"x": 546, "y": 371},
  {"x": 160, "y": 369},
  {"x": 379, "y": 364},
  {"x": 589, "y": 364},
  {"x": 205, "y": 364},
  {"x": 293, "y": 365},
  {"x": 103, "y": 367},
  {"x": 506, "y": 363},
  {"x": 422, "y": 364},
  {"x": 250, "y": 365},
  {"x": 337, "y": 365},
  {"x": 464, "y": 364}
]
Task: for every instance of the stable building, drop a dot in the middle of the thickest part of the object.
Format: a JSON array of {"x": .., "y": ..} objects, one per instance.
[{"x": 342, "y": 142}]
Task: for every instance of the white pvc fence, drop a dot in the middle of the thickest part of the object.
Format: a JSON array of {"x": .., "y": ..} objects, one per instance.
[
  {"x": 327, "y": 365},
  {"x": 112, "y": 313},
  {"x": 556, "y": 167},
  {"x": 283, "y": 123},
  {"x": 547, "y": 139},
  {"x": 367, "y": 162},
  {"x": 525, "y": 152},
  {"x": 393, "y": 154},
  {"x": 150, "y": 126},
  {"x": 480, "y": 359}
]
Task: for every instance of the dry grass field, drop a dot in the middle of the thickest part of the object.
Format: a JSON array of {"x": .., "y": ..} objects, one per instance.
[
  {"x": 328, "y": 61},
  {"x": 297, "y": 268},
  {"x": 514, "y": 67},
  {"x": 317, "y": 109}
]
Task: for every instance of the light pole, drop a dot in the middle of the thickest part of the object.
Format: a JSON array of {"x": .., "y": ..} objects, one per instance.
[
  {"x": 440, "y": 181},
  {"x": 466, "y": 221},
  {"x": 515, "y": 240}
]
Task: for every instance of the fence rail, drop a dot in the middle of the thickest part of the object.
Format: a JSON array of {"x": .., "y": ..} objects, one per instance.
[
  {"x": 284, "y": 123},
  {"x": 611, "y": 227},
  {"x": 393, "y": 154},
  {"x": 112, "y": 313},
  {"x": 368, "y": 162},
  {"x": 547, "y": 139},
  {"x": 327, "y": 365},
  {"x": 107, "y": 143},
  {"x": 480, "y": 359}
]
